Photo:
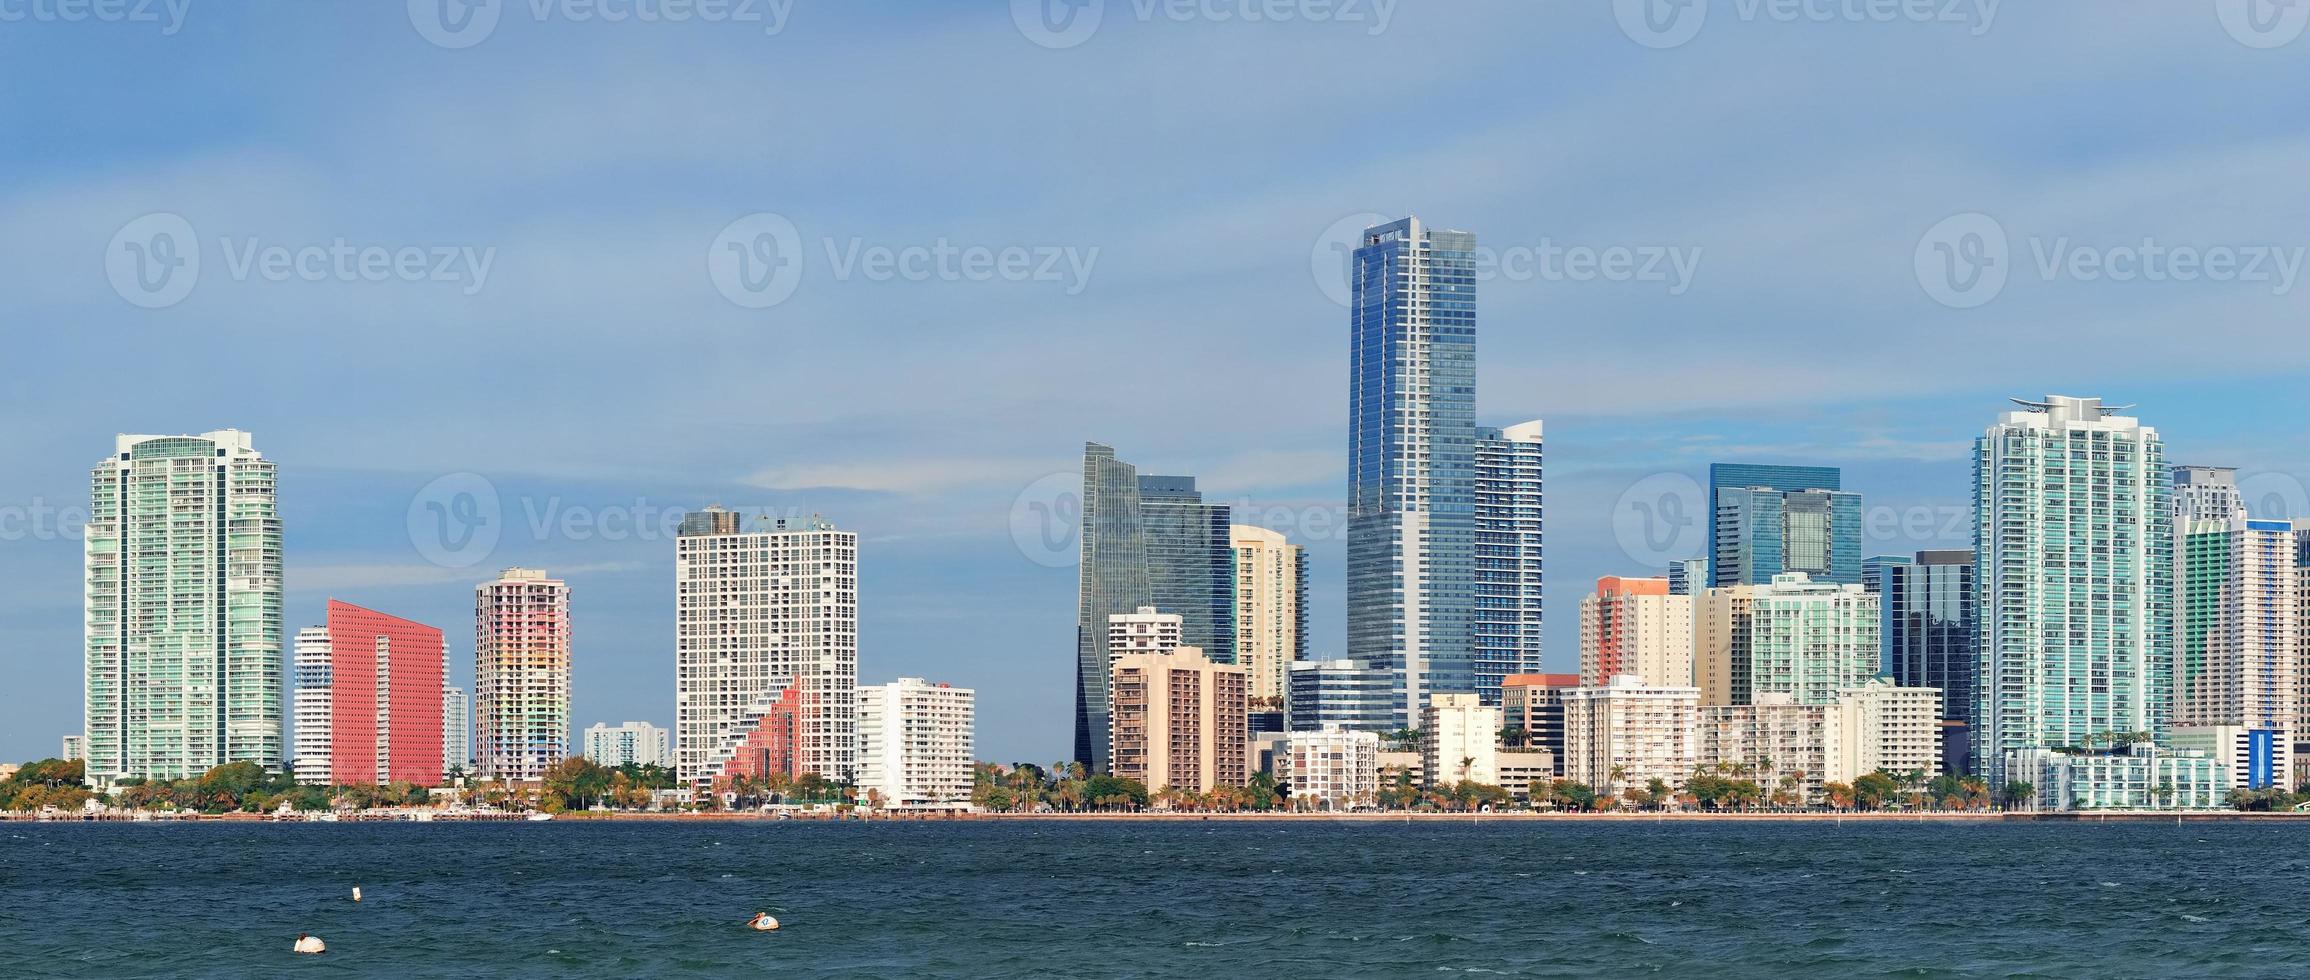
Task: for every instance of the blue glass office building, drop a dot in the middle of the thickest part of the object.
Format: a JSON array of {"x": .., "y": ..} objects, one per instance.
[
  {"x": 1767, "y": 520},
  {"x": 1929, "y": 639},
  {"x": 1411, "y": 459},
  {"x": 1508, "y": 556},
  {"x": 1191, "y": 562}
]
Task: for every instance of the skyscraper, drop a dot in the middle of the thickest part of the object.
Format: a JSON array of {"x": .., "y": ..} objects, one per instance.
[
  {"x": 521, "y": 651},
  {"x": 1180, "y": 721},
  {"x": 758, "y": 614},
  {"x": 1411, "y": 458},
  {"x": 2073, "y": 577},
  {"x": 385, "y": 710},
  {"x": 2206, "y": 493},
  {"x": 1766, "y": 520},
  {"x": 1634, "y": 626},
  {"x": 1270, "y": 610},
  {"x": 456, "y": 730},
  {"x": 1191, "y": 561},
  {"x": 1506, "y": 641},
  {"x": 310, "y": 707},
  {"x": 2237, "y": 638},
  {"x": 1929, "y": 639},
  {"x": 183, "y": 584}
]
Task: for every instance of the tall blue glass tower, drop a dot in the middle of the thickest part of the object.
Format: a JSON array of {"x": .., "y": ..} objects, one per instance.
[
  {"x": 1412, "y": 459},
  {"x": 1767, "y": 520},
  {"x": 1191, "y": 562},
  {"x": 1929, "y": 640}
]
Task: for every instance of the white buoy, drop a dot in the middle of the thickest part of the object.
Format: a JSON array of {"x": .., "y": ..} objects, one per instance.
[
  {"x": 762, "y": 922},
  {"x": 310, "y": 944},
  {"x": 356, "y": 893}
]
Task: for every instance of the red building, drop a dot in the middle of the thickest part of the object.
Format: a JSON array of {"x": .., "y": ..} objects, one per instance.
[
  {"x": 770, "y": 746},
  {"x": 384, "y": 697}
]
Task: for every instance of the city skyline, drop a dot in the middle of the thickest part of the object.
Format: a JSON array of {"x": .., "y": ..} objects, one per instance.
[{"x": 1812, "y": 244}]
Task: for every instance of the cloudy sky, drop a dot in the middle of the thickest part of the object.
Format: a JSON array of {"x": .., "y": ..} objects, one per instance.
[{"x": 893, "y": 263}]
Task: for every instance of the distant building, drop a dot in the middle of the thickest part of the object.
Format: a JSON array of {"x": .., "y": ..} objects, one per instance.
[
  {"x": 769, "y": 745},
  {"x": 1794, "y": 636},
  {"x": 1179, "y": 721},
  {"x": 1687, "y": 576},
  {"x": 75, "y": 748},
  {"x": 1333, "y": 769},
  {"x": 1788, "y": 746},
  {"x": 1771, "y": 520},
  {"x": 1928, "y": 639},
  {"x": 1880, "y": 725},
  {"x": 1347, "y": 694},
  {"x": 456, "y": 730},
  {"x": 2238, "y": 637},
  {"x": 2251, "y": 756},
  {"x": 915, "y": 743},
  {"x": 1627, "y": 733},
  {"x": 521, "y": 674},
  {"x": 633, "y": 743},
  {"x": 1143, "y": 631},
  {"x": 1875, "y": 567},
  {"x": 385, "y": 683},
  {"x": 1270, "y": 610},
  {"x": 310, "y": 708},
  {"x": 2147, "y": 779},
  {"x": 1507, "y": 617},
  {"x": 1534, "y": 703},
  {"x": 1191, "y": 561},
  {"x": 1634, "y": 626},
  {"x": 1460, "y": 740},
  {"x": 1523, "y": 771}
]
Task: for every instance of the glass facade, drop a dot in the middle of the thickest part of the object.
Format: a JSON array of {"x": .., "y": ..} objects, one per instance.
[
  {"x": 1112, "y": 579},
  {"x": 1190, "y": 550},
  {"x": 1506, "y": 641},
  {"x": 1929, "y": 637},
  {"x": 1411, "y": 459},
  {"x": 1766, "y": 520}
]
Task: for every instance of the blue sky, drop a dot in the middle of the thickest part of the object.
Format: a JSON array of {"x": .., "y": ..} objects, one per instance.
[{"x": 599, "y": 370}]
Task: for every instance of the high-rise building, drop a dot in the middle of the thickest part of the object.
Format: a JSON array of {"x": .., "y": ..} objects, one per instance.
[
  {"x": 1346, "y": 694},
  {"x": 1879, "y": 725},
  {"x": 2238, "y": 635},
  {"x": 385, "y": 712},
  {"x": 1634, "y": 626},
  {"x": 757, "y": 614},
  {"x": 183, "y": 666},
  {"x": 456, "y": 731},
  {"x": 1146, "y": 541},
  {"x": 915, "y": 744},
  {"x": 632, "y": 743},
  {"x": 521, "y": 660},
  {"x": 2302, "y": 654},
  {"x": 1506, "y": 640},
  {"x": 1875, "y": 567},
  {"x": 1411, "y": 459},
  {"x": 1459, "y": 740},
  {"x": 1143, "y": 631},
  {"x": 1627, "y": 733},
  {"x": 1180, "y": 721},
  {"x": 1929, "y": 639},
  {"x": 1793, "y": 636},
  {"x": 1767, "y": 520},
  {"x": 2206, "y": 493},
  {"x": 2073, "y": 573},
  {"x": 1191, "y": 561},
  {"x": 1534, "y": 705},
  {"x": 1270, "y": 610},
  {"x": 310, "y": 709}
]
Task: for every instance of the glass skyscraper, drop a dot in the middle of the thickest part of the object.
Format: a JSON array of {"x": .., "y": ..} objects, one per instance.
[
  {"x": 1411, "y": 459},
  {"x": 1767, "y": 520},
  {"x": 1146, "y": 541},
  {"x": 2073, "y": 579},
  {"x": 1929, "y": 640},
  {"x": 1506, "y": 641},
  {"x": 184, "y": 665}
]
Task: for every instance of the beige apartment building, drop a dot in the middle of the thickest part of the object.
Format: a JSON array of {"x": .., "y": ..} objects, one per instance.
[
  {"x": 1270, "y": 609},
  {"x": 1180, "y": 721},
  {"x": 1634, "y": 626},
  {"x": 1627, "y": 732},
  {"x": 1460, "y": 740}
]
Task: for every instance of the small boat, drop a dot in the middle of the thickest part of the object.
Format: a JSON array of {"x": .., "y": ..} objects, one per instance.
[{"x": 540, "y": 817}]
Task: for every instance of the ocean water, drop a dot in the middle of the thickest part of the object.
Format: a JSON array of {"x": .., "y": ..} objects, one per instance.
[{"x": 1147, "y": 899}]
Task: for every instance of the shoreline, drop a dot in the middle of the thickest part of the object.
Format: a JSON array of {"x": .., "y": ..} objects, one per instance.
[{"x": 1924, "y": 817}]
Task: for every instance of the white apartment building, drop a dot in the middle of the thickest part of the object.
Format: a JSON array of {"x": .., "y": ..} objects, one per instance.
[
  {"x": 1878, "y": 725},
  {"x": 1626, "y": 733},
  {"x": 758, "y": 613},
  {"x": 1333, "y": 769},
  {"x": 915, "y": 744},
  {"x": 1460, "y": 740},
  {"x": 1780, "y": 744},
  {"x": 456, "y": 730},
  {"x": 1145, "y": 631},
  {"x": 310, "y": 708},
  {"x": 633, "y": 743}
]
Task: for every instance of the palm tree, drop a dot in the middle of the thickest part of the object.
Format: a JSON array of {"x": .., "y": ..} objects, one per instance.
[{"x": 1618, "y": 773}]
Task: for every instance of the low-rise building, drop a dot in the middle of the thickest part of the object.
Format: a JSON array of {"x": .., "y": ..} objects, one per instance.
[
  {"x": 2256, "y": 757},
  {"x": 1785, "y": 747},
  {"x": 1350, "y": 694},
  {"x": 75, "y": 748},
  {"x": 1334, "y": 769},
  {"x": 1534, "y": 705},
  {"x": 633, "y": 743},
  {"x": 1460, "y": 740},
  {"x": 1627, "y": 733},
  {"x": 1523, "y": 772},
  {"x": 2142, "y": 778}
]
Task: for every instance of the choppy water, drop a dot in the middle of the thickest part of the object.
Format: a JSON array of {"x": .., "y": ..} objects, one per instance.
[{"x": 1201, "y": 900}]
